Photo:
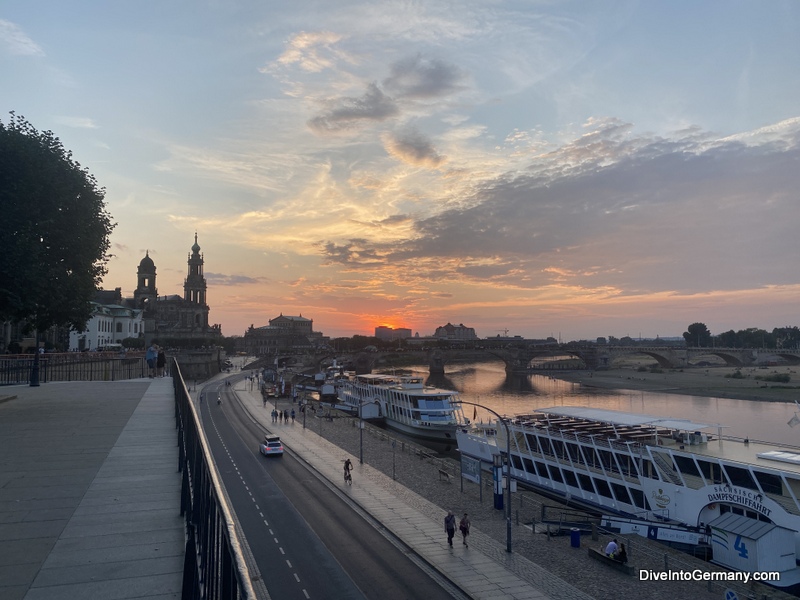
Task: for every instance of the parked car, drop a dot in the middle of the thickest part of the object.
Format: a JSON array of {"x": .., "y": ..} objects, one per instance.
[{"x": 271, "y": 446}]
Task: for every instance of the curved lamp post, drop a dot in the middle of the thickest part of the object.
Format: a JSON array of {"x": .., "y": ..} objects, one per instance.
[{"x": 508, "y": 469}]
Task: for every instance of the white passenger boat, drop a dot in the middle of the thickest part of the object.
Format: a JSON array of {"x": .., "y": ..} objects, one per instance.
[
  {"x": 684, "y": 481},
  {"x": 405, "y": 403}
]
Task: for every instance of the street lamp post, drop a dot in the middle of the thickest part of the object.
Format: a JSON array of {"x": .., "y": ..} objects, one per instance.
[
  {"x": 508, "y": 470},
  {"x": 360, "y": 431}
]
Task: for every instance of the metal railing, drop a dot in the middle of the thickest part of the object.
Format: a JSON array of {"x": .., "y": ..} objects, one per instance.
[
  {"x": 73, "y": 366},
  {"x": 214, "y": 566}
]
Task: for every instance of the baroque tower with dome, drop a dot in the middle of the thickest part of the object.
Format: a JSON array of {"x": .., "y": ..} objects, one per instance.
[{"x": 175, "y": 317}]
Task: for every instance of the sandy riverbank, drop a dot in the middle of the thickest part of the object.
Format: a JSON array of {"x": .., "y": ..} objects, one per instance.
[{"x": 706, "y": 381}]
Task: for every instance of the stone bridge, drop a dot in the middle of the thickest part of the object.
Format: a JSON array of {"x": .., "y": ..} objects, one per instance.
[
  {"x": 518, "y": 360},
  {"x": 518, "y": 356}
]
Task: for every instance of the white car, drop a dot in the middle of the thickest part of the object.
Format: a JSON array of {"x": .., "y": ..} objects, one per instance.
[{"x": 271, "y": 446}]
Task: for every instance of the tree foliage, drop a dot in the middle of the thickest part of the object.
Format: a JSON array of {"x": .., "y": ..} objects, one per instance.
[
  {"x": 55, "y": 230},
  {"x": 697, "y": 334}
]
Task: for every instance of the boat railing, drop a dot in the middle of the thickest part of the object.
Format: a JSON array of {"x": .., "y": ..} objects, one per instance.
[{"x": 787, "y": 503}]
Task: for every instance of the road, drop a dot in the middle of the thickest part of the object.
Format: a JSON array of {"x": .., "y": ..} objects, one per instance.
[{"x": 308, "y": 540}]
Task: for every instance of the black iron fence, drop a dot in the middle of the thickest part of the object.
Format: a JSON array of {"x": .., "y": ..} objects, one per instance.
[
  {"x": 15, "y": 369},
  {"x": 214, "y": 567}
]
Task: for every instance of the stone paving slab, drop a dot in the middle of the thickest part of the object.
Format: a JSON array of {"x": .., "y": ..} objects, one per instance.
[{"x": 89, "y": 492}]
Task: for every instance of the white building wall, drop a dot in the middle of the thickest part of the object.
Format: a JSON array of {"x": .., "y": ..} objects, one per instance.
[{"x": 103, "y": 328}]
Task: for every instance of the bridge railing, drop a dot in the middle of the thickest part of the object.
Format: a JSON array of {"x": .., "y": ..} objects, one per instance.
[
  {"x": 15, "y": 369},
  {"x": 214, "y": 566}
]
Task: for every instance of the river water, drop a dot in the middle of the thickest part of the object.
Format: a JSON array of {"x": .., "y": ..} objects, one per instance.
[{"x": 486, "y": 383}]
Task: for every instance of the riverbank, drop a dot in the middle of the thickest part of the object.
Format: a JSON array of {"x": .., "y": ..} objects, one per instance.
[{"x": 715, "y": 382}]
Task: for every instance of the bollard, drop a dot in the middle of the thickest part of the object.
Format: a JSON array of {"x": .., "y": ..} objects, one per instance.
[
  {"x": 595, "y": 537},
  {"x": 575, "y": 537}
]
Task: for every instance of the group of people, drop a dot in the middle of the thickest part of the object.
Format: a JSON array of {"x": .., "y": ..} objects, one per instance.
[
  {"x": 156, "y": 360},
  {"x": 283, "y": 415},
  {"x": 616, "y": 551},
  {"x": 450, "y": 527}
]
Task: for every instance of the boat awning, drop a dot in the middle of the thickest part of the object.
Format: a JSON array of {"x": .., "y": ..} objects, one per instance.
[
  {"x": 741, "y": 525},
  {"x": 616, "y": 417}
]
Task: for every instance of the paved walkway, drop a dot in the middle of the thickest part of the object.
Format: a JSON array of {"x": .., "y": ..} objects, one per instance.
[
  {"x": 484, "y": 570},
  {"x": 89, "y": 492}
]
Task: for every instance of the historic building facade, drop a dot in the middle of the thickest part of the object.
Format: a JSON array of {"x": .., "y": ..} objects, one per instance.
[
  {"x": 175, "y": 317},
  {"x": 455, "y": 332},
  {"x": 283, "y": 334},
  {"x": 110, "y": 323}
]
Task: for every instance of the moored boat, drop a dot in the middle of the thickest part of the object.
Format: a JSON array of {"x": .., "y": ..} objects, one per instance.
[
  {"x": 405, "y": 403},
  {"x": 738, "y": 496}
]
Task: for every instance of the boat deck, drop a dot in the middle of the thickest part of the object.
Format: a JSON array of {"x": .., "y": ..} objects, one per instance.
[{"x": 616, "y": 427}]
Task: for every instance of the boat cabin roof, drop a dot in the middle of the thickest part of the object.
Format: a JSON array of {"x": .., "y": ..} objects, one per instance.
[{"x": 615, "y": 417}]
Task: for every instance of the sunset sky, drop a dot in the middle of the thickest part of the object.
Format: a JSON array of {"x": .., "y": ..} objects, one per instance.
[{"x": 574, "y": 169}]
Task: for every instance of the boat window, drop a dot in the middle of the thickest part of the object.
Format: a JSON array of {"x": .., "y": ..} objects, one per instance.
[
  {"x": 740, "y": 477},
  {"x": 638, "y": 498},
  {"x": 570, "y": 479},
  {"x": 573, "y": 451},
  {"x": 516, "y": 461},
  {"x": 555, "y": 474},
  {"x": 541, "y": 470},
  {"x": 621, "y": 492},
  {"x": 648, "y": 470},
  {"x": 586, "y": 483},
  {"x": 686, "y": 465},
  {"x": 770, "y": 483},
  {"x": 602, "y": 487},
  {"x": 532, "y": 443},
  {"x": 529, "y": 465},
  {"x": 558, "y": 448},
  {"x": 711, "y": 471}
]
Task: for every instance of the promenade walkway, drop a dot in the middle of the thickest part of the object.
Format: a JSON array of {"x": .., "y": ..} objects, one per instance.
[
  {"x": 484, "y": 570},
  {"x": 89, "y": 492},
  {"x": 90, "y": 497}
]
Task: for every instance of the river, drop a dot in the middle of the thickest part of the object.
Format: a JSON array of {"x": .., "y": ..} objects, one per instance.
[{"x": 486, "y": 383}]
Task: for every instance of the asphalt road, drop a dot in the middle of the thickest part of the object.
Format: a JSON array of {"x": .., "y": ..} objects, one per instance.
[{"x": 308, "y": 541}]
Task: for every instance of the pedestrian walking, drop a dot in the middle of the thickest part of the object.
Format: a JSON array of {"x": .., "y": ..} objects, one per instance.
[
  {"x": 464, "y": 527},
  {"x": 161, "y": 361},
  {"x": 293, "y": 415},
  {"x": 450, "y": 526},
  {"x": 280, "y": 415},
  {"x": 274, "y": 415},
  {"x": 150, "y": 357},
  {"x": 286, "y": 415}
]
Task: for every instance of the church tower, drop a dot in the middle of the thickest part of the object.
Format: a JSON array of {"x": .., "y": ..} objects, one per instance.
[
  {"x": 146, "y": 292},
  {"x": 194, "y": 287}
]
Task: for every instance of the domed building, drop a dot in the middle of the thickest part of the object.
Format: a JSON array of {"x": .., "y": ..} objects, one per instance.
[{"x": 175, "y": 317}]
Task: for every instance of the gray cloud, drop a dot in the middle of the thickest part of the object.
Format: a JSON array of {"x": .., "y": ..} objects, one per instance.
[
  {"x": 349, "y": 112},
  {"x": 414, "y": 148},
  {"x": 421, "y": 78},
  {"x": 635, "y": 214},
  {"x": 231, "y": 280}
]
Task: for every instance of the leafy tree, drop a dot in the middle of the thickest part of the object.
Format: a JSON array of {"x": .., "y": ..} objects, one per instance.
[
  {"x": 54, "y": 233},
  {"x": 729, "y": 339},
  {"x": 697, "y": 334}
]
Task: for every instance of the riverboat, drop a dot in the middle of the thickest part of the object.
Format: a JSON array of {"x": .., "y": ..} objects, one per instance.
[
  {"x": 664, "y": 478},
  {"x": 405, "y": 404}
]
